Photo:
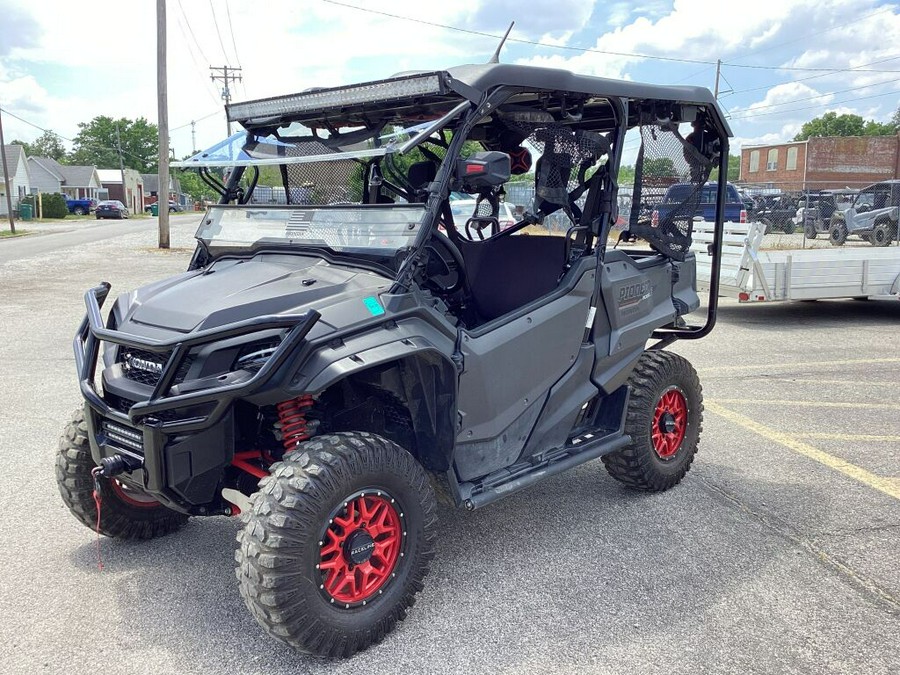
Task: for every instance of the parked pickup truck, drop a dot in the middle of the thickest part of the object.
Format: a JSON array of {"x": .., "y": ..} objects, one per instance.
[
  {"x": 679, "y": 194},
  {"x": 81, "y": 207}
]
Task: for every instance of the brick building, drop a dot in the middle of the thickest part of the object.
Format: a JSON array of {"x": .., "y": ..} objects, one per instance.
[{"x": 821, "y": 163}]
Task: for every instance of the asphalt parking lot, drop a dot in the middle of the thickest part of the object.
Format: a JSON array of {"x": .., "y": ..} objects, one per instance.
[{"x": 777, "y": 554}]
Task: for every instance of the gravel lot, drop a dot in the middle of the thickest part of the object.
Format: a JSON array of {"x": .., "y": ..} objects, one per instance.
[{"x": 778, "y": 553}]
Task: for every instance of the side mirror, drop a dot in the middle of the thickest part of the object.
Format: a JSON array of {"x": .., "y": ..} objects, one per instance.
[{"x": 483, "y": 169}]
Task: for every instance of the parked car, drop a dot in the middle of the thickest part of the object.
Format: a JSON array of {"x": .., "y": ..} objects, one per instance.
[
  {"x": 464, "y": 209},
  {"x": 80, "y": 207},
  {"x": 111, "y": 208},
  {"x": 173, "y": 206},
  {"x": 678, "y": 195},
  {"x": 872, "y": 217}
]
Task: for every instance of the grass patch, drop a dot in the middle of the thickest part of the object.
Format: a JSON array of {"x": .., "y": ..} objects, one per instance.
[{"x": 6, "y": 234}]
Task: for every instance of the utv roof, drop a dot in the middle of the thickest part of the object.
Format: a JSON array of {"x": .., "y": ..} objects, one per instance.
[{"x": 427, "y": 95}]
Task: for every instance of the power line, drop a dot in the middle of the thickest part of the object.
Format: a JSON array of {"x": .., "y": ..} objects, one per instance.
[
  {"x": 206, "y": 84},
  {"x": 218, "y": 32},
  {"x": 199, "y": 119},
  {"x": 584, "y": 49},
  {"x": 196, "y": 41},
  {"x": 827, "y": 93},
  {"x": 231, "y": 30},
  {"x": 813, "y": 77},
  {"x": 821, "y": 105}
]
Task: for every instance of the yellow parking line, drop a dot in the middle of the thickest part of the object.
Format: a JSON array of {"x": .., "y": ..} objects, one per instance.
[
  {"x": 889, "y": 486},
  {"x": 846, "y": 437},
  {"x": 801, "y": 380},
  {"x": 797, "y": 364},
  {"x": 808, "y": 404}
]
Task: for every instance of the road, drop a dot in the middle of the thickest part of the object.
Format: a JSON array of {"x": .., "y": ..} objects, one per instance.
[
  {"x": 777, "y": 554},
  {"x": 62, "y": 235}
]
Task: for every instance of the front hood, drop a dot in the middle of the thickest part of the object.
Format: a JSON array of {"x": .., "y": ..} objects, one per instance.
[{"x": 235, "y": 290}]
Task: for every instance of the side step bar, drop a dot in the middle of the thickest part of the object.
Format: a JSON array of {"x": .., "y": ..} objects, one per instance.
[{"x": 487, "y": 491}]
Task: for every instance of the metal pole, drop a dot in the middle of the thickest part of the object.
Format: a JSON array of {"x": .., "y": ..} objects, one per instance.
[
  {"x": 163, "y": 113},
  {"x": 9, "y": 214},
  {"x": 718, "y": 72}
]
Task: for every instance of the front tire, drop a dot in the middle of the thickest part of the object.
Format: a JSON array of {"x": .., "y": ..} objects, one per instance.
[
  {"x": 664, "y": 419},
  {"x": 78, "y": 211},
  {"x": 882, "y": 235},
  {"x": 838, "y": 234},
  {"x": 810, "y": 231},
  {"x": 337, "y": 543},
  {"x": 125, "y": 513}
]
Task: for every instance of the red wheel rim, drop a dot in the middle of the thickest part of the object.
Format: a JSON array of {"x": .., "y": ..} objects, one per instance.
[
  {"x": 360, "y": 548},
  {"x": 669, "y": 423},
  {"x": 131, "y": 496}
]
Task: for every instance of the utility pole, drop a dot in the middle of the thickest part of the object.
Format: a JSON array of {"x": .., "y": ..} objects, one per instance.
[
  {"x": 122, "y": 170},
  {"x": 718, "y": 72},
  {"x": 226, "y": 74},
  {"x": 162, "y": 205},
  {"x": 193, "y": 137},
  {"x": 12, "y": 223}
]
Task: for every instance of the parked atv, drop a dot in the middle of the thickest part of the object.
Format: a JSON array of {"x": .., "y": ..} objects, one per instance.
[
  {"x": 324, "y": 367},
  {"x": 872, "y": 217},
  {"x": 775, "y": 213}
]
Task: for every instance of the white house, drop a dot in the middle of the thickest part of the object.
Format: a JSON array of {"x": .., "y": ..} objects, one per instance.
[
  {"x": 17, "y": 169},
  {"x": 79, "y": 182}
]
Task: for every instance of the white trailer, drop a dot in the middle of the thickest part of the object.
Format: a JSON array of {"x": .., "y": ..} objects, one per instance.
[{"x": 751, "y": 275}]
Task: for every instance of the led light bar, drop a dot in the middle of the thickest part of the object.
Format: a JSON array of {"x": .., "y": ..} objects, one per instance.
[{"x": 311, "y": 101}]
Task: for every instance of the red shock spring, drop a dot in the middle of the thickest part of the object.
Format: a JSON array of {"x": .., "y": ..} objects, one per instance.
[{"x": 292, "y": 415}]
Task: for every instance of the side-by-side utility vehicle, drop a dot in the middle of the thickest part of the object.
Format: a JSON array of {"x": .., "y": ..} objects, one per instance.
[{"x": 327, "y": 366}]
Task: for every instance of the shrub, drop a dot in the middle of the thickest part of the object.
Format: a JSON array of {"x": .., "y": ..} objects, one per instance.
[{"x": 54, "y": 205}]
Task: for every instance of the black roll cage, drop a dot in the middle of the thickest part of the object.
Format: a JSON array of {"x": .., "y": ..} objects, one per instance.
[{"x": 626, "y": 113}]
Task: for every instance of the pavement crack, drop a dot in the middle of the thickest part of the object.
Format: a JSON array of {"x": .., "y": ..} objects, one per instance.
[
  {"x": 858, "y": 530},
  {"x": 859, "y": 581}
]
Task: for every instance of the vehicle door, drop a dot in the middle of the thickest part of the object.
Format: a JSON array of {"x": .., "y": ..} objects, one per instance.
[
  {"x": 860, "y": 215},
  {"x": 512, "y": 361}
]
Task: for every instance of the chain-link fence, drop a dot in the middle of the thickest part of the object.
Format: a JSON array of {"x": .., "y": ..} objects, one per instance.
[{"x": 819, "y": 214}]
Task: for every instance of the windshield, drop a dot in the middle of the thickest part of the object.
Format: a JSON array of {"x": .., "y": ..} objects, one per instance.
[{"x": 381, "y": 231}]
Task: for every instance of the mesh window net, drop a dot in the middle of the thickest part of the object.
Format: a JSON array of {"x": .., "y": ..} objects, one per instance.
[{"x": 670, "y": 173}]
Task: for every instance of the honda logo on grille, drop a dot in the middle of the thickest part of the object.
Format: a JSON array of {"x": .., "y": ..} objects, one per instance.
[{"x": 144, "y": 364}]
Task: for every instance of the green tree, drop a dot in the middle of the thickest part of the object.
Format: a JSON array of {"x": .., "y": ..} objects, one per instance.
[
  {"x": 660, "y": 167},
  {"x": 95, "y": 144},
  {"x": 48, "y": 144},
  {"x": 832, "y": 124}
]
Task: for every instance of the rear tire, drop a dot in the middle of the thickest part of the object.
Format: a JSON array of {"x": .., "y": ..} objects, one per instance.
[
  {"x": 125, "y": 513},
  {"x": 333, "y": 498},
  {"x": 664, "y": 419},
  {"x": 78, "y": 211},
  {"x": 789, "y": 227},
  {"x": 767, "y": 224},
  {"x": 810, "y": 231}
]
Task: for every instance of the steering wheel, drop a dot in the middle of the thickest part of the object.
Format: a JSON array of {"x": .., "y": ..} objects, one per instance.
[{"x": 445, "y": 269}]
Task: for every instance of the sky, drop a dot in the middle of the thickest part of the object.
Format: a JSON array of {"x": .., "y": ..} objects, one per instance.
[{"x": 784, "y": 62}]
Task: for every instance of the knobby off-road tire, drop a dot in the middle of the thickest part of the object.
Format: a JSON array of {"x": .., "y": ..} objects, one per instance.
[
  {"x": 341, "y": 506},
  {"x": 664, "y": 419},
  {"x": 124, "y": 513},
  {"x": 883, "y": 234},
  {"x": 837, "y": 235},
  {"x": 810, "y": 231}
]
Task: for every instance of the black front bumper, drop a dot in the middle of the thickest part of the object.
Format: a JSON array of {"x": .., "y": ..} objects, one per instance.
[{"x": 182, "y": 442}]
